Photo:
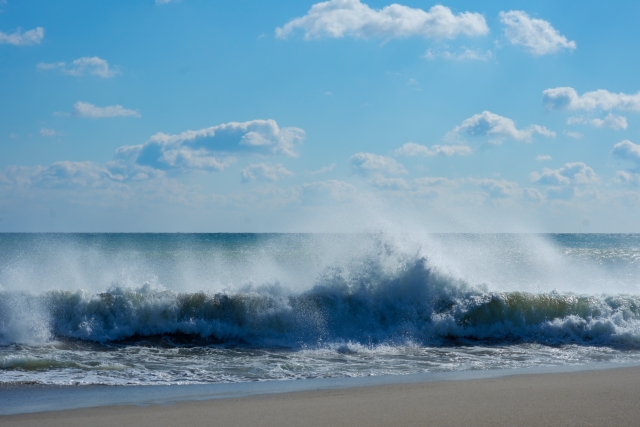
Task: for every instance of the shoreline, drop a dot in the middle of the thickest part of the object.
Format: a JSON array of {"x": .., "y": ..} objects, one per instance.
[
  {"x": 21, "y": 399},
  {"x": 603, "y": 397}
]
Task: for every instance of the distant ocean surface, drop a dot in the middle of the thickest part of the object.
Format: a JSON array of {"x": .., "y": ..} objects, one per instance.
[{"x": 140, "y": 309}]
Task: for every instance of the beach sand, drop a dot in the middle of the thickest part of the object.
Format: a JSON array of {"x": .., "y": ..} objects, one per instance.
[{"x": 589, "y": 398}]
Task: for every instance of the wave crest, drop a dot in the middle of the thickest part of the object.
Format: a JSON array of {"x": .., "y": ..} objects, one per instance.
[{"x": 367, "y": 305}]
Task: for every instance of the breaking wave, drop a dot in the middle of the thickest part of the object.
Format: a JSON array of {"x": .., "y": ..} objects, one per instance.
[{"x": 412, "y": 303}]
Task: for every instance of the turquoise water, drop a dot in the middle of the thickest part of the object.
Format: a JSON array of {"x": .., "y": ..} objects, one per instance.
[{"x": 125, "y": 309}]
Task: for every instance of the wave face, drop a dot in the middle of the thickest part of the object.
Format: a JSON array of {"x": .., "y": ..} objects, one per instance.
[
  {"x": 384, "y": 306},
  {"x": 414, "y": 304}
]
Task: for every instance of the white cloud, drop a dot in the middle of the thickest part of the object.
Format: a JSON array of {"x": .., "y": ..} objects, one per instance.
[
  {"x": 213, "y": 147},
  {"x": 265, "y": 172},
  {"x": 47, "y": 132},
  {"x": 536, "y": 35},
  {"x": 624, "y": 177},
  {"x": 571, "y": 173},
  {"x": 463, "y": 55},
  {"x": 339, "y": 18},
  {"x": 498, "y": 188},
  {"x": 324, "y": 169},
  {"x": 369, "y": 163},
  {"x": 574, "y": 135},
  {"x": 542, "y": 157},
  {"x": 610, "y": 121},
  {"x": 207, "y": 149},
  {"x": 566, "y": 98},
  {"x": 62, "y": 175},
  {"x": 18, "y": 38},
  {"x": 385, "y": 183},
  {"x": 412, "y": 149},
  {"x": 627, "y": 150},
  {"x": 189, "y": 158},
  {"x": 84, "y": 109},
  {"x": 81, "y": 66},
  {"x": 167, "y": 1},
  {"x": 498, "y": 128}
]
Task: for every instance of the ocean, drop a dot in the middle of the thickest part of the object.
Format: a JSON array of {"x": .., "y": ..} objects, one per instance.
[{"x": 163, "y": 309}]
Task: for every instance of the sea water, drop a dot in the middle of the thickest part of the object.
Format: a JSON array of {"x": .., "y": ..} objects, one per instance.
[{"x": 143, "y": 309}]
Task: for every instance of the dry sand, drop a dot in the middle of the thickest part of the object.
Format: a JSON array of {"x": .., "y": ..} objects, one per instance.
[{"x": 590, "y": 398}]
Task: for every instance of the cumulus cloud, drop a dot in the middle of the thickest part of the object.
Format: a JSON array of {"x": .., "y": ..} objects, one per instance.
[
  {"x": 566, "y": 98},
  {"x": 498, "y": 128},
  {"x": 18, "y": 38},
  {"x": 627, "y": 150},
  {"x": 624, "y": 177},
  {"x": 84, "y": 109},
  {"x": 571, "y": 173},
  {"x": 463, "y": 55},
  {"x": 411, "y": 149},
  {"x": 81, "y": 66},
  {"x": 264, "y": 172},
  {"x": 369, "y": 163},
  {"x": 340, "y": 18},
  {"x": 536, "y": 35},
  {"x": 542, "y": 157},
  {"x": 206, "y": 149},
  {"x": 610, "y": 121},
  {"x": 385, "y": 183},
  {"x": 213, "y": 148}
]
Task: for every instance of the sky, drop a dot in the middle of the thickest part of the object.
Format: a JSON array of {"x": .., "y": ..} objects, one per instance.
[{"x": 335, "y": 116}]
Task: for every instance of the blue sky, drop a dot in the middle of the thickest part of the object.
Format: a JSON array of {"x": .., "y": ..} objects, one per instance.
[{"x": 344, "y": 115}]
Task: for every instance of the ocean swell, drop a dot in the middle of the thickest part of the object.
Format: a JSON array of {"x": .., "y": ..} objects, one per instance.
[{"x": 414, "y": 303}]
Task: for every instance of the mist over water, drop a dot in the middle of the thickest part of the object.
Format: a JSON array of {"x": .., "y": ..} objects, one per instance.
[{"x": 188, "y": 308}]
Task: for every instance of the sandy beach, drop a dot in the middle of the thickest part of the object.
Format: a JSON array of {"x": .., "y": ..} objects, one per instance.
[{"x": 590, "y": 398}]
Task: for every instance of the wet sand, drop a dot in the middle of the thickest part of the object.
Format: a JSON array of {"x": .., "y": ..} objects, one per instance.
[{"x": 588, "y": 398}]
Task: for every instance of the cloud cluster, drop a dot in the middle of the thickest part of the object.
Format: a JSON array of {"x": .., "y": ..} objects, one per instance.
[
  {"x": 369, "y": 163},
  {"x": 264, "y": 172},
  {"x": 18, "y": 38},
  {"x": 570, "y": 174},
  {"x": 411, "y": 149},
  {"x": 213, "y": 148},
  {"x": 566, "y": 98},
  {"x": 340, "y": 18},
  {"x": 81, "y": 66},
  {"x": 498, "y": 188},
  {"x": 536, "y": 35},
  {"x": 67, "y": 174},
  {"x": 498, "y": 128},
  {"x": 84, "y": 109},
  {"x": 140, "y": 171},
  {"x": 468, "y": 189},
  {"x": 610, "y": 121}
]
